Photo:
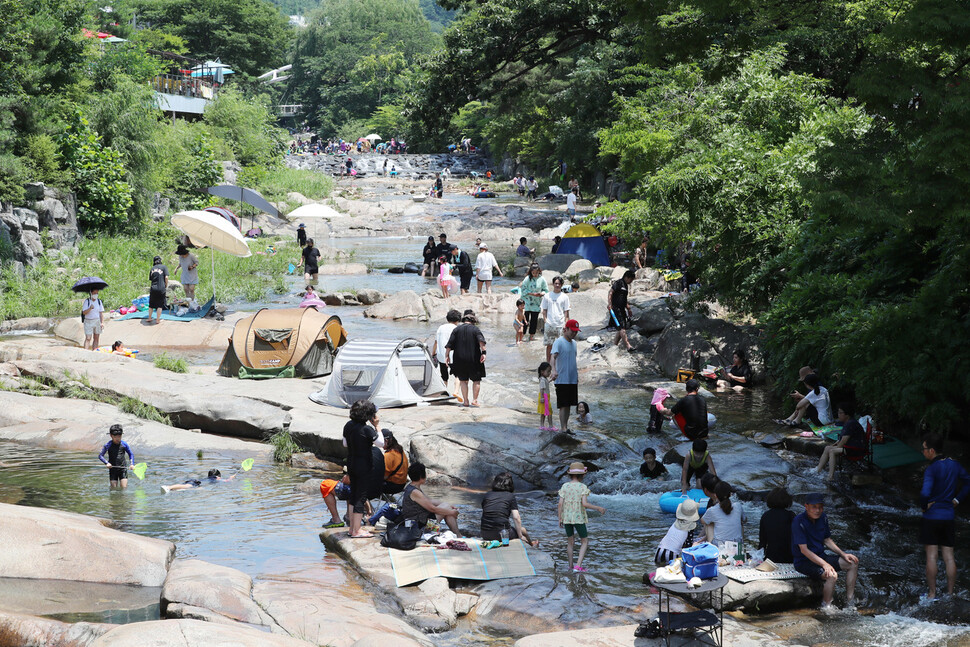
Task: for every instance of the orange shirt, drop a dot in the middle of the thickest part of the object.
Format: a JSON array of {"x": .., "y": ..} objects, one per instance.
[{"x": 396, "y": 468}]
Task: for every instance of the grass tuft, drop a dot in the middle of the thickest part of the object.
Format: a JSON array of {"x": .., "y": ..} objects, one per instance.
[
  {"x": 142, "y": 410},
  {"x": 283, "y": 446},
  {"x": 171, "y": 363}
]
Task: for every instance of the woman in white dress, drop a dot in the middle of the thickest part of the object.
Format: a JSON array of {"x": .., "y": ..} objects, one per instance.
[{"x": 483, "y": 268}]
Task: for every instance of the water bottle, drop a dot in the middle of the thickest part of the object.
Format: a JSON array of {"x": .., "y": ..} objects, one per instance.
[{"x": 505, "y": 536}]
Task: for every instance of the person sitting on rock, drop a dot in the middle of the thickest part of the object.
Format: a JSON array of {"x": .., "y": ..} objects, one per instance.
[
  {"x": 500, "y": 512},
  {"x": 738, "y": 375},
  {"x": 333, "y": 491},
  {"x": 775, "y": 527},
  {"x": 810, "y": 536},
  {"x": 418, "y": 507},
  {"x": 214, "y": 477}
]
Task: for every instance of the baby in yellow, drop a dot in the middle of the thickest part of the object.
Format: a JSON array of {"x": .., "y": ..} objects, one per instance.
[{"x": 572, "y": 513}]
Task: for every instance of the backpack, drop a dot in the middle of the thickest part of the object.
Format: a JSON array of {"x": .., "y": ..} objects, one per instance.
[{"x": 91, "y": 302}]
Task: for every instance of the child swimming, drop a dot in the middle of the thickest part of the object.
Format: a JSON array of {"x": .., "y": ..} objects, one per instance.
[{"x": 213, "y": 477}]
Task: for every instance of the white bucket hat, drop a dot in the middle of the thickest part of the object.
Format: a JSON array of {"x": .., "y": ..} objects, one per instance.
[{"x": 687, "y": 515}]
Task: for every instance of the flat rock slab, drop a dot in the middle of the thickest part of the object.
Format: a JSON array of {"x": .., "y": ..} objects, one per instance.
[
  {"x": 342, "y": 269},
  {"x": 518, "y": 606},
  {"x": 219, "y": 589},
  {"x": 326, "y": 607},
  {"x": 137, "y": 333},
  {"x": 19, "y": 630},
  {"x": 767, "y": 595},
  {"x": 735, "y": 634},
  {"x": 192, "y": 633},
  {"x": 82, "y": 425},
  {"x": 50, "y": 544}
]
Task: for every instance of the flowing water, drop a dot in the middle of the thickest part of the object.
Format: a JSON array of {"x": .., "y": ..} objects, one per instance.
[{"x": 257, "y": 522}]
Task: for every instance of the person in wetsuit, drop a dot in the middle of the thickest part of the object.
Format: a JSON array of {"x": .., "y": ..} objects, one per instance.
[
  {"x": 116, "y": 454},
  {"x": 214, "y": 477}
]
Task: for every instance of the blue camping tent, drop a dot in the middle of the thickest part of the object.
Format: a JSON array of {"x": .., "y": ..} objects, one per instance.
[{"x": 586, "y": 241}]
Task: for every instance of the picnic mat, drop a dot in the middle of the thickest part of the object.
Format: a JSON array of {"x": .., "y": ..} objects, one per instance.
[
  {"x": 745, "y": 574},
  {"x": 424, "y": 562},
  {"x": 169, "y": 315}
]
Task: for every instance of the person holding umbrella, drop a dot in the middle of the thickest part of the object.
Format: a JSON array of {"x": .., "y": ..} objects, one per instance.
[
  {"x": 158, "y": 276},
  {"x": 92, "y": 310}
]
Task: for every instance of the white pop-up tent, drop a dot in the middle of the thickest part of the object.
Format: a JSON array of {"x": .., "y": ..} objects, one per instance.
[{"x": 388, "y": 373}]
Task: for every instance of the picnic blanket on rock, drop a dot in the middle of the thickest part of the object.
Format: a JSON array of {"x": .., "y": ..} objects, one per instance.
[
  {"x": 169, "y": 315},
  {"x": 427, "y": 561},
  {"x": 745, "y": 574}
]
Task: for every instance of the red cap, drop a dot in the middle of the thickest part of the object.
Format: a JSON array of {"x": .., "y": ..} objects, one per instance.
[{"x": 572, "y": 324}]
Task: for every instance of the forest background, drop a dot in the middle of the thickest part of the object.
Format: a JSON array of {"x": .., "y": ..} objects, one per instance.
[{"x": 813, "y": 153}]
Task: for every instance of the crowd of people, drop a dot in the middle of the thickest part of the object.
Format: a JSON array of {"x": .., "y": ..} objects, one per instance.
[{"x": 314, "y": 145}]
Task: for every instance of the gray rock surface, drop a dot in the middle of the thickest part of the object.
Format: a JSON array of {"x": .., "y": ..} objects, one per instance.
[
  {"x": 576, "y": 267},
  {"x": 403, "y": 305},
  {"x": 558, "y": 263},
  {"x": 222, "y": 590},
  {"x": 192, "y": 633},
  {"x": 342, "y": 269},
  {"x": 763, "y": 596},
  {"x": 326, "y": 606},
  {"x": 736, "y": 634},
  {"x": 19, "y": 630},
  {"x": 650, "y": 315},
  {"x": 714, "y": 339},
  {"x": 51, "y": 544}
]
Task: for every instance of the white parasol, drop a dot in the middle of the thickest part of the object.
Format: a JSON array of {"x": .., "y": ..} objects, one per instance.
[
  {"x": 208, "y": 229},
  {"x": 374, "y": 137}
]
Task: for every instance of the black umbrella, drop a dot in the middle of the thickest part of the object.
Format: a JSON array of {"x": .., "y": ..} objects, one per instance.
[
  {"x": 242, "y": 194},
  {"x": 89, "y": 283}
]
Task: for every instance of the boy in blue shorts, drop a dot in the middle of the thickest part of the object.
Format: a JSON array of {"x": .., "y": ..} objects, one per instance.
[{"x": 810, "y": 535}]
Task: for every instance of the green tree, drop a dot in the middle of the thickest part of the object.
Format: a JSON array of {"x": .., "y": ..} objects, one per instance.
[
  {"x": 355, "y": 55},
  {"x": 246, "y": 125},
  {"x": 98, "y": 177},
  {"x": 721, "y": 165},
  {"x": 249, "y": 35}
]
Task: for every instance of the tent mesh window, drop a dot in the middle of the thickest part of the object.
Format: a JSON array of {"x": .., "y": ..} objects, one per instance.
[{"x": 272, "y": 338}]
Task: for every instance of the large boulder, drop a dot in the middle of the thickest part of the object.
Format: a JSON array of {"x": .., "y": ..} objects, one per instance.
[
  {"x": 650, "y": 315},
  {"x": 192, "y": 633},
  {"x": 403, "y": 305},
  {"x": 51, "y": 544},
  {"x": 714, "y": 340},
  {"x": 369, "y": 296},
  {"x": 558, "y": 263},
  {"x": 578, "y": 266},
  {"x": 17, "y": 630},
  {"x": 194, "y": 584},
  {"x": 764, "y": 596},
  {"x": 590, "y": 310}
]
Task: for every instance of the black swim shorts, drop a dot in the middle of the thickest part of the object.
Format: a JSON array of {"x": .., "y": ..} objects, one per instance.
[
  {"x": 938, "y": 532},
  {"x": 567, "y": 395},
  {"x": 117, "y": 473},
  {"x": 468, "y": 371}
]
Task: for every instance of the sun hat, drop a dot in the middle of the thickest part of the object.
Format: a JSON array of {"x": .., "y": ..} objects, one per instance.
[
  {"x": 804, "y": 372},
  {"x": 572, "y": 324},
  {"x": 687, "y": 515},
  {"x": 577, "y": 468},
  {"x": 301, "y": 225},
  {"x": 815, "y": 498}
]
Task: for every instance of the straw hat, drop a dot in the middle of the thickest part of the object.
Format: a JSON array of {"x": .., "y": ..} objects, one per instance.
[
  {"x": 687, "y": 515},
  {"x": 577, "y": 468}
]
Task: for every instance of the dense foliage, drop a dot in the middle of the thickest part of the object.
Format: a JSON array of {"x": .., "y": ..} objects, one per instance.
[
  {"x": 355, "y": 57},
  {"x": 812, "y": 153}
]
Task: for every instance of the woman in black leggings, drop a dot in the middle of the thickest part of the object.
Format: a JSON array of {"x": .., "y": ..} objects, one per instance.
[{"x": 532, "y": 289}]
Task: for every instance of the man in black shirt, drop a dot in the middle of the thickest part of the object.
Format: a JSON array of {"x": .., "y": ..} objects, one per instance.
[
  {"x": 466, "y": 357},
  {"x": 443, "y": 248},
  {"x": 463, "y": 263},
  {"x": 620, "y": 312},
  {"x": 693, "y": 409}
]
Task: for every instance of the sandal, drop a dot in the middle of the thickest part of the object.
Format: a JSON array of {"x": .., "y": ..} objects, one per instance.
[{"x": 365, "y": 535}]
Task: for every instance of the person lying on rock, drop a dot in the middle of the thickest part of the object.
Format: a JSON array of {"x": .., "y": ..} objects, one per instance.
[
  {"x": 418, "y": 507},
  {"x": 214, "y": 477}
]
